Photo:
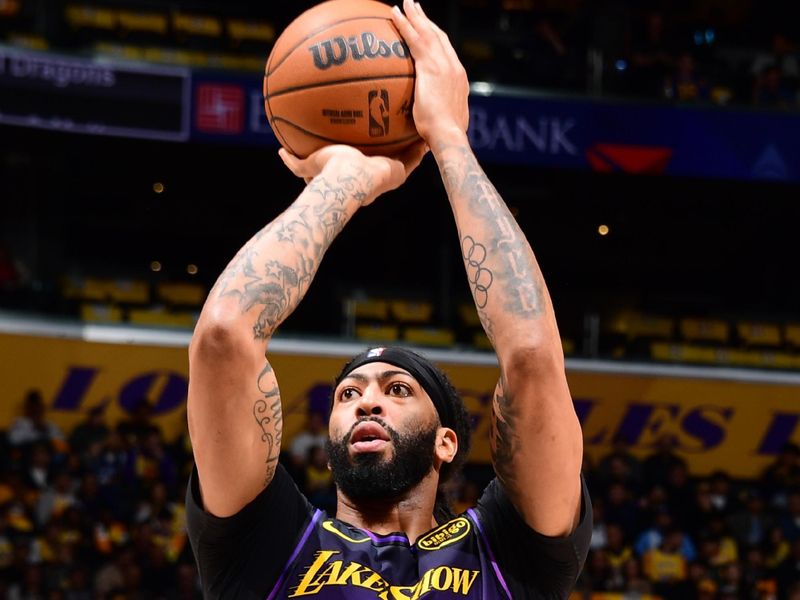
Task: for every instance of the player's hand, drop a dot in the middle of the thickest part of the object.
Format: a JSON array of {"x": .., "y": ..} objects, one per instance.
[
  {"x": 381, "y": 173},
  {"x": 442, "y": 88}
]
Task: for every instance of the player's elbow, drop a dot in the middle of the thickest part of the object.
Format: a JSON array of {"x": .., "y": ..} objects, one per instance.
[
  {"x": 218, "y": 339},
  {"x": 531, "y": 358}
]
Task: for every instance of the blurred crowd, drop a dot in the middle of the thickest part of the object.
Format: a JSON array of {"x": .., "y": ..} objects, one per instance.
[
  {"x": 97, "y": 513},
  {"x": 660, "y": 531},
  {"x": 741, "y": 52}
]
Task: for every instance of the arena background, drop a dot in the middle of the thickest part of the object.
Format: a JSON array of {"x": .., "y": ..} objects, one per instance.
[{"x": 651, "y": 153}]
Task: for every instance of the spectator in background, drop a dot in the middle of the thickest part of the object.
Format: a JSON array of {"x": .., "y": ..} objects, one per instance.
[
  {"x": 39, "y": 469},
  {"x": 637, "y": 582},
  {"x": 721, "y": 491},
  {"x": 782, "y": 55},
  {"x": 91, "y": 430},
  {"x": 32, "y": 426},
  {"x": 749, "y": 525},
  {"x": 788, "y": 572},
  {"x": 666, "y": 565},
  {"x": 139, "y": 425},
  {"x": 621, "y": 509},
  {"x": 652, "y": 56},
  {"x": 776, "y": 549},
  {"x": 152, "y": 463},
  {"x": 56, "y": 499},
  {"x": 620, "y": 465},
  {"x": 314, "y": 434},
  {"x": 685, "y": 83},
  {"x": 653, "y": 538},
  {"x": 679, "y": 492},
  {"x": 657, "y": 466},
  {"x": 617, "y": 549},
  {"x": 790, "y": 523},
  {"x": 754, "y": 571},
  {"x": 771, "y": 90},
  {"x": 319, "y": 480},
  {"x": 599, "y": 534},
  {"x": 782, "y": 475},
  {"x": 702, "y": 509}
]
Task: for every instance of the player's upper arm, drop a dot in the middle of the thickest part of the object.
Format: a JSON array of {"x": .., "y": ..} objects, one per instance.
[
  {"x": 537, "y": 442},
  {"x": 234, "y": 414}
]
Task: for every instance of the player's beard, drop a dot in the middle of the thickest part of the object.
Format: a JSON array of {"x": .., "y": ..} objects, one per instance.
[{"x": 370, "y": 476}]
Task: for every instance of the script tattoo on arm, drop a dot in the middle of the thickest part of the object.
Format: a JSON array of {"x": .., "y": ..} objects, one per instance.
[
  {"x": 497, "y": 249},
  {"x": 266, "y": 410}
]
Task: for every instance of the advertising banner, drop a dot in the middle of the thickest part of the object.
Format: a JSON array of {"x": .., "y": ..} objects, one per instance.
[
  {"x": 736, "y": 423},
  {"x": 605, "y": 136},
  {"x": 48, "y": 91}
]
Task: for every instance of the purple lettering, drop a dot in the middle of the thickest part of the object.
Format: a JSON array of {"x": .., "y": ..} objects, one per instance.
[
  {"x": 74, "y": 388},
  {"x": 710, "y": 434},
  {"x": 779, "y": 433},
  {"x": 173, "y": 390}
]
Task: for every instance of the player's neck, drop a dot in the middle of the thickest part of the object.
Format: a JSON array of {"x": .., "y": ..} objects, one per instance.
[{"x": 411, "y": 513}]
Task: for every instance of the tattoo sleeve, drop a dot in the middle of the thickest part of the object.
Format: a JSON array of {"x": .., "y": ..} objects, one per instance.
[
  {"x": 270, "y": 275},
  {"x": 505, "y": 281},
  {"x": 272, "y": 272},
  {"x": 506, "y": 285}
]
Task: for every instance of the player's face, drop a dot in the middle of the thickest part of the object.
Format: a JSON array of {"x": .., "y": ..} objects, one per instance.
[
  {"x": 382, "y": 432},
  {"x": 386, "y": 392}
]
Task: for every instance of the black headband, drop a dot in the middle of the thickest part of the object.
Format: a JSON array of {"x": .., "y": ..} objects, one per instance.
[{"x": 427, "y": 375}]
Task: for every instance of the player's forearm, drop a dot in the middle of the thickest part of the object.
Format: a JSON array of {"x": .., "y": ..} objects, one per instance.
[
  {"x": 268, "y": 278},
  {"x": 506, "y": 283}
]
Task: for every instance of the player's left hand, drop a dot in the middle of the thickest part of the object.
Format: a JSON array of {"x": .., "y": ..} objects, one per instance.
[{"x": 385, "y": 173}]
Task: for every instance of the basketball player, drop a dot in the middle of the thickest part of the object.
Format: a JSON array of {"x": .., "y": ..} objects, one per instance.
[{"x": 397, "y": 428}]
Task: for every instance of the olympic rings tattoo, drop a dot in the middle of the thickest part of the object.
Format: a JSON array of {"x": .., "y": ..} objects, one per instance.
[{"x": 479, "y": 276}]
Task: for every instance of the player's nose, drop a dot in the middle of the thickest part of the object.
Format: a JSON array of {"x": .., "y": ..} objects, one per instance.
[{"x": 370, "y": 402}]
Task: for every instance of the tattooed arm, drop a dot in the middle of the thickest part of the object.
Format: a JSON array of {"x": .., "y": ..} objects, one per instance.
[
  {"x": 234, "y": 406},
  {"x": 536, "y": 437}
]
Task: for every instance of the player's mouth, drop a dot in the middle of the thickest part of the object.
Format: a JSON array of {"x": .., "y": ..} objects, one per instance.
[{"x": 368, "y": 436}]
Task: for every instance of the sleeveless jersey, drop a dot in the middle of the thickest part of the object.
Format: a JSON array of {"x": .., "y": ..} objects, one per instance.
[{"x": 334, "y": 560}]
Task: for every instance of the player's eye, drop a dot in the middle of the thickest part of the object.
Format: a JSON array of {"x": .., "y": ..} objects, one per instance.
[
  {"x": 348, "y": 394},
  {"x": 399, "y": 389}
]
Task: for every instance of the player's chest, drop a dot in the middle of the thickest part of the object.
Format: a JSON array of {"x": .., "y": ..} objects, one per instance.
[{"x": 337, "y": 562}]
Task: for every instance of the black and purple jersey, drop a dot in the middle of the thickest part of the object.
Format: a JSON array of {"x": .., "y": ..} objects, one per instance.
[{"x": 279, "y": 546}]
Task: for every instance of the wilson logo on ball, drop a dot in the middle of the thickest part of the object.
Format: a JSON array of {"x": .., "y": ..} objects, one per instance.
[{"x": 339, "y": 50}]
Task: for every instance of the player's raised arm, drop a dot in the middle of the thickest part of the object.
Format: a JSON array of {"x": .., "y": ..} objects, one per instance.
[
  {"x": 536, "y": 437},
  {"x": 234, "y": 406}
]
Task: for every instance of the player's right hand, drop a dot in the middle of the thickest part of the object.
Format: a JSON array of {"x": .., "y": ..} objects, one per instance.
[
  {"x": 381, "y": 173},
  {"x": 442, "y": 87}
]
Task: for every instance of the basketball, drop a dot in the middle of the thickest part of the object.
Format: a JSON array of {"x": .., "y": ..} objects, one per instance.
[{"x": 341, "y": 74}]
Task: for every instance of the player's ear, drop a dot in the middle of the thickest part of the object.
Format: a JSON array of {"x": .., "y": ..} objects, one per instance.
[{"x": 446, "y": 444}]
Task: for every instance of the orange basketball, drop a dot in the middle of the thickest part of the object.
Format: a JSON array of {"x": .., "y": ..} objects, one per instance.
[{"x": 341, "y": 74}]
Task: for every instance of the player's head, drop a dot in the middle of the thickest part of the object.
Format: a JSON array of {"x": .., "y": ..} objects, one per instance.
[{"x": 395, "y": 418}]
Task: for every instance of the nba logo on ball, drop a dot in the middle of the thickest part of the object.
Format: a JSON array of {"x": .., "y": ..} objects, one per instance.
[{"x": 378, "y": 113}]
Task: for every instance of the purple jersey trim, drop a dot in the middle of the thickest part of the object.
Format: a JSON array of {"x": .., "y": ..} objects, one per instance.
[
  {"x": 384, "y": 538},
  {"x": 293, "y": 557},
  {"x": 473, "y": 515}
]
